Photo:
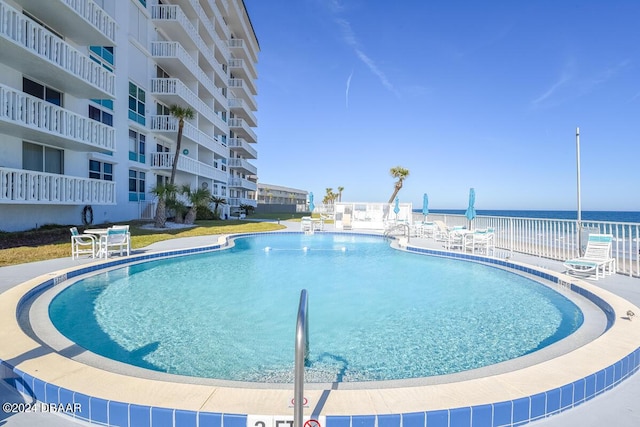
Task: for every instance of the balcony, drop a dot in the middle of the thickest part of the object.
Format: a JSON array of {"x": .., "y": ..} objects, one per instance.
[
  {"x": 28, "y": 117},
  {"x": 33, "y": 50},
  {"x": 18, "y": 186},
  {"x": 164, "y": 161},
  {"x": 173, "y": 91},
  {"x": 239, "y": 89},
  {"x": 243, "y": 183},
  {"x": 243, "y": 129},
  {"x": 240, "y": 108},
  {"x": 82, "y": 20},
  {"x": 240, "y": 49},
  {"x": 242, "y": 147},
  {"x": 168, "y": 125},
  {"x": 237, "y": 201},
  {"x": 244, "y": 165},
  {"x": 178, "y": 27},
  {"x": 237, "y": 65}
]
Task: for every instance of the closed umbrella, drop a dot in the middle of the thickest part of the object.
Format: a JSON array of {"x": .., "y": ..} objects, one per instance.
[
  {"x": 311, "y": 205},
  {"x": 471, "y": 210},
  {"x": 396, "y": 208},
  {"x": 425, "y": 206}
]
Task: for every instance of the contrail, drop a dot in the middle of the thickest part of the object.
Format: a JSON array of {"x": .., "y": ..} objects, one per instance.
[{"x": 348, "y": 85}]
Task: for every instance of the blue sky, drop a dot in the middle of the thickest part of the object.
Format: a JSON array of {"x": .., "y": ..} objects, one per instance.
[{"x": 463, "y": 94}]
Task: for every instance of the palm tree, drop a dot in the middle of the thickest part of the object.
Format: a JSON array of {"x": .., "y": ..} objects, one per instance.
[
  {"x": 200, "y": 197},
  {"x": 217, "y": 201},
  {"x": 180, "y": 113},
  {"x": 329, "y": 197},
  {"x": 340, "y": 190},
  {"x": 400, "y": 174},
  {"x": 163, "y": 192}
]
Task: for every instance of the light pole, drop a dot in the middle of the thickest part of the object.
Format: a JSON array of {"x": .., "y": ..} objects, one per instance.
[{"x": 579, "y": 220}]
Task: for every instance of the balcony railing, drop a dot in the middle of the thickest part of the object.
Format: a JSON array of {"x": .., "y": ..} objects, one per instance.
[
  {"x": 187, "y": 164},
  {"x": 19, "y": 110},
  {"x": 94, "y": 14},
  {"x": 170, "y": 124},
  {"x": 240, "y": 104},
  {"x": 243, "y": 183},
  {"x": 237, "y": 201},
  {"x": 23, "y": 34},
  {"x": 241, "y": 145},
  {"x": 23, "y": 186},
  {"x": 242, "y": 164},
  {"x": 239, "y": 123}
]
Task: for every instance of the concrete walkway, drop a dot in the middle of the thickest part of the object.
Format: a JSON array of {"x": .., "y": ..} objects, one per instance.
[{"x": 619, "y": 407}]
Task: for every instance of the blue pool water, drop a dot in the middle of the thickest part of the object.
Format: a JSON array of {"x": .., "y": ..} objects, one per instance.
[{"x": 375, "y": 313}]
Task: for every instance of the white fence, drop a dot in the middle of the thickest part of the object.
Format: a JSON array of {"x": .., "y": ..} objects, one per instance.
[{"x": 555, "y": 238}]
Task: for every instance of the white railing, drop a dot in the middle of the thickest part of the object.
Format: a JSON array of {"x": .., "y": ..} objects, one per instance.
[
  {"x": 237, "y": 122},
  {"x": 244, "y": 145},
  {"x": 237, "y": 201},
  {"x": 24, "y": 186},
  {"x": 170, "y": 124},
  {"x": 239, "y": 103},
  {"x": 555, "y": 238},
  {"x": 41, "y": 42},
  {"x": 187, "y": 164},
  {"x": 29, "y": 111},
  {"x": 243, "y": 183},
  {"x": 242, "y": 163},
  {"x": 94, "y": 14},
  {"x": 176, "y": 87}
]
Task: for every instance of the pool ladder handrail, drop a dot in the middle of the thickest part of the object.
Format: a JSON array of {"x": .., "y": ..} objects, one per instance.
[
  {"x": 406, "y": 230},
  {"x": 301, "y": 358}
]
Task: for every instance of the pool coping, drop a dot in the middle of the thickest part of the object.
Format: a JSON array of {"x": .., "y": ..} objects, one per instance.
[{"x": 510, "y": 398}]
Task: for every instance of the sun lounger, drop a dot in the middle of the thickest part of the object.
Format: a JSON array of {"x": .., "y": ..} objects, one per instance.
[{"x": 597, "y": 260}]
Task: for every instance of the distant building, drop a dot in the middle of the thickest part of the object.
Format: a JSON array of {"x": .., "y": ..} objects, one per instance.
[
  {"x": 86, "y": 87},
  {"x": 270, "y": 194}
]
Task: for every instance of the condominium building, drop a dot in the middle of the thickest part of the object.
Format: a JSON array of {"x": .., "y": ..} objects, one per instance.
[
  {"x": 85, "y": 92},
  {"x": 277, "y": 194}
]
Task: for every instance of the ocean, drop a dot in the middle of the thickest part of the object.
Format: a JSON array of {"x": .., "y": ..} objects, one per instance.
[{"x": 609, "y": 216}]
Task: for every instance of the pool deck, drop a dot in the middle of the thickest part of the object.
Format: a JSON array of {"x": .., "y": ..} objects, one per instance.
[{"x": 617, "y": 407}]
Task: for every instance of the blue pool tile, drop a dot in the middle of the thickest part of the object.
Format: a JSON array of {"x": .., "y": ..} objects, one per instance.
[
  {"x": 52, "y": 393},
  {"x": 234, "y": 420},
  {"x": 438, "y": 418},
  {"x": 609, "y": 374},
  {"x": 161, "y": 417},
  {"x": 481, "y": 416},
  {"x": 590, "y": 386},
  {"x": 341, "y": 421},
  {"x": 118, "y": 414},
  {"x": 99, "y": 410},
  {"x": 186, "y": 419},
  {"x": 414, "y": 419},
  {"x": 386, "y": 421},
  {"x": 65, "y": 396},
  {"x": 139, "y": 416},
  {"x": 209, "y": 419},
  {"x": 502, "y": 413},
  {"x": 578, "y": 391},
  {"x": 624, "y": 368},
  {"x": 27, "y": 384},
  {"x": 600, "y": 381},
  {"x": 521, "y": 408},
  {"x": 460, "y": 417},
  {"x": 363, "y": 421},
  {"x": 83, "y": 409},
  {"x": 566, "y": 396},
  {"x": 553, "y": 401}
]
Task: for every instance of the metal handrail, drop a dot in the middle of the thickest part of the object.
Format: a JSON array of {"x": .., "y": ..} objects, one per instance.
[{"x": 301, "y": 357}]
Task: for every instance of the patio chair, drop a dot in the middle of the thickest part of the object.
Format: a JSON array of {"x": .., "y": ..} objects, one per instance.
[
  {"x": 306, "y": 225},
  {"x": 82, "y": 244},
  {"x": 597, "y": 260},
  {"x": 481, "y": 240},
  {"x": 118, "y": 239}
]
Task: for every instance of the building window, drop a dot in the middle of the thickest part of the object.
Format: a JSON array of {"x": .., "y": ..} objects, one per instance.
[
  {"x": 162, "y": 110},
  {"x": 136, "y": 104},
  {"x": 102, "y": 55},
  {"x": 136, "y": 185},
  {"x": 41, "y": 158},
  {"x": 41, "y": 91},
  {"x": 100, "y": 170},
  {"x": 100, "y": 116},
  {"x": 137, "y": 146}
]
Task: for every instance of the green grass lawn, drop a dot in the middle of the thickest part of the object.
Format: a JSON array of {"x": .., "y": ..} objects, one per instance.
[{"x": 54, "y": 241}]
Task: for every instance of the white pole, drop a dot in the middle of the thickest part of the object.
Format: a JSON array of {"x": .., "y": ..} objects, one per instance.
[{"x": 579, "y": 221}]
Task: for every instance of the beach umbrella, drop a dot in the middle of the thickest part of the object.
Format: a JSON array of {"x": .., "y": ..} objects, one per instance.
[
  {"x": 396, "y": 207},
  {"x": 471, "y": 210},
  {"x": 425, "y": 206},
  {"x": 311, "y": 205}
]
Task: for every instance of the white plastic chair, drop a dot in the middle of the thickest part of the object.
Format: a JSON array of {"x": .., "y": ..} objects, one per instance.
[
  {"x": 116, "y": 239},
  {"x": 597, "y": 259},
  {"x": 82, "y": 244}
]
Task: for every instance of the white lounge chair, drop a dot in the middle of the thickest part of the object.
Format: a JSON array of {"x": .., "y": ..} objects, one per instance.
[
  {"x": 597, "y": 259},
  {"x": 482, "y": 240},
  {"x": 306, "y": 225},
  {"x": 82, "y": 244},
  {"x": 116, "y": 239}
]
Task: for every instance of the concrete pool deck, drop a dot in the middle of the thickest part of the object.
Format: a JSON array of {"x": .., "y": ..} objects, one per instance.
[{"x": 616, "y": 406}]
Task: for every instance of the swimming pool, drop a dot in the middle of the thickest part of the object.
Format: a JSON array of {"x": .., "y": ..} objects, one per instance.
[{"x": 375, "y": 313}]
